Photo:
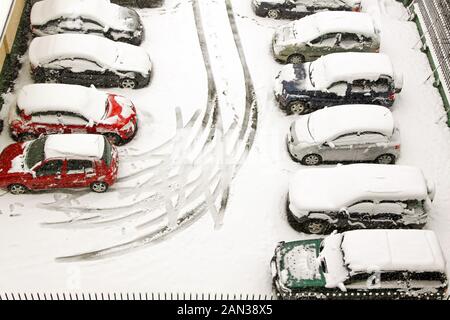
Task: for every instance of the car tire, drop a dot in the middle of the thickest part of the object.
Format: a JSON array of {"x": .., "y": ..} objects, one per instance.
[
  {"x": 99, "y": 187},
  {"x": 385, "y": 159},
  {"x": 298, "y": 107},
  {"x": 114, "y": 139},
  {"x": 296, "y": 59},
  {"x": 316, "y": 226},
  {"x": 312, "y": 160},
  {"x": 128, "y": 83},
  {"x": 17, "y": 189},
  {"x": 26, "y": 137},
  {"x": 273, "y": 13}
]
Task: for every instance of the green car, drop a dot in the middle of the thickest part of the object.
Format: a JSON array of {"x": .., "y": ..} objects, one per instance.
[
  {"x": 323, "y": 33},
  {"x": 361, "y": 264}
]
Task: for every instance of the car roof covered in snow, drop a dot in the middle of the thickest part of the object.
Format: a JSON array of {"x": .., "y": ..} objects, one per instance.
[
  {"x": 392, "y": 250},
  {"x": 106, "y": 52},
  {"x": 102, "y": 11},
  {"x": 312, "y": 26},
  {"x": 87, "y": 102},
  {"x": 74, "y": 146},
  {"x": 329, "y": 123},
  {"x": 351, "y": 66},
  {"x": 331, "y": 189}
]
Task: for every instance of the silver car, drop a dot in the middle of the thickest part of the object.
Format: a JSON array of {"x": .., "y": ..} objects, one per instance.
[{"x": 346, "y": 133}]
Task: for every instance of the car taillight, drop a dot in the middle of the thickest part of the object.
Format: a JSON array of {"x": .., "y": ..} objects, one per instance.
[
  {"x": 397, "y": 147},
  {"x": 391, "y": 96},
  {"x": 357, "y": 8}
]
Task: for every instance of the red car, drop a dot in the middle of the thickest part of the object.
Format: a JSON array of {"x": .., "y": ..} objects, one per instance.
[
  {"x": 60, "y": 108},
  {"x": 59, "y": 161}
]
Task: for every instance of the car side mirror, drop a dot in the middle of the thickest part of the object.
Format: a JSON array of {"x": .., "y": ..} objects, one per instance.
[{"x": 330, "y": 145}]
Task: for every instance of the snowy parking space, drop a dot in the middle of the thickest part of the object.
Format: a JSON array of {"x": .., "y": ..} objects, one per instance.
[{"x": 199, "y": 205}]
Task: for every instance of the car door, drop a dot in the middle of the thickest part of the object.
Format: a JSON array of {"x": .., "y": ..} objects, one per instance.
[
  {"x": 48, "y": 175},
  {"x": 298, "y": 8},
  {"x": 82, "y": 71},
  {"x": 336, "y": 94},
  {"x": 92, "y": 27},
  {"x": 323, "y": 45},
  {"x": 359, "y": 213},
  {"x": 387, "y": 212},
  {"x": 46, "y": 123},
  {"x": 350, "y": 42},
  {"x": 75, "y": 123},
  {"x": 369, "y": 146},
  {"x": 360, "y": 92},
  {"x": 70, "y": 25},
  {"x": 79, "y": 173},
  {"x": 340, "y": 149}
]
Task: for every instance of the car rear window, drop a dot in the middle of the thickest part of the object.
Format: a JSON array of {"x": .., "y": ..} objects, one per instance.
[{"x": 35, "y": 153}]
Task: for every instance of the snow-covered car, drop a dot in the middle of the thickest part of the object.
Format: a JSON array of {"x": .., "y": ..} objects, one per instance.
[
  {"x": 89, "y": 60},
  {"x": 296, "y": 9},
  {"x": 99, "y": 17},
  {"x": 346, "y": 133},
  {"x": 59, "y": 161},
  {"x": 368, "y": 196},
  {"x": 140, "y": 3},
  {"x": 61, "y": 108},
  {"x": 335, "y": 79},
  {"x": 323, "y": 33},
  {"x": 361, "y": 264}
]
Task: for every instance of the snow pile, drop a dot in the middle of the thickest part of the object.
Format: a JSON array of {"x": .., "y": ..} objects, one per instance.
[
  {"x": 392, "y": 250},
  {"x": 329, "y": 123},
  {"x": 74, "y": 145},
  {"x": 87, "y": 102}
]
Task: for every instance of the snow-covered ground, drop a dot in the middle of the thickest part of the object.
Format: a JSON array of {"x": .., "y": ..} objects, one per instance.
[{"x": 198, "y": 120}]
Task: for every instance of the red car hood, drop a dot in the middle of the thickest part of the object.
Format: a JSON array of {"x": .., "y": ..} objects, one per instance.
[{"x": 8, "y": 154}]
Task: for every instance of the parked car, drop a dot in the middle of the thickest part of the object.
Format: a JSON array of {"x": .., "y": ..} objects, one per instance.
[
  {"x": 89, "y": 60},
  {"x": 99, "y": 17},
  {"x": 323, "y": 33},
  {"x": 140, "y": 3},
  {"x": 59, "y": 161},
  {"x": 296, "y": 9},
  {"x": 335, "y": 79},
  {"x": 61, "y": 108},
  {"x": 362, "y": 264},
  {"x": 346, "y": 133},
  {"x": 369, "y": 196}
]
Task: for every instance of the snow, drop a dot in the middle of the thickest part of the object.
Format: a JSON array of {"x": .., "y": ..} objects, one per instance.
[
  {"x": 88, "y": 102},
  {"x": 351, "y": 66},
  {"x": 392, "y": 250},
  {"x": 331, "y": 253},
  {"x": 74, "y": 145},
  {"x": 330, "y": 123},
  {"x": 115, "y": 55},
  {"x": 199, "y": 258},
  {"x": 331, "y": 189},
  {"x": 5, "y": 6},
  {"x": 301, "y": 263},
  {"x": 97, "y": 10}
]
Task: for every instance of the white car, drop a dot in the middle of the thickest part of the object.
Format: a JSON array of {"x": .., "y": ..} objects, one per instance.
[
  {"x": 99, "y": 17},
  {"x": 354, "y": 196},
  {"x": 89, "y": 60},
  {"x": 350, "y": 133},
  {"x": 362, "y": 264}
]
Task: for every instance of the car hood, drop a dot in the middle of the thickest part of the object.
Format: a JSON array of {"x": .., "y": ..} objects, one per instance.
[
  {"x": 300, "y": 129},
  {"x": 12, "y": 159},
  {"x": 298, "y": 264},
  {"x": 132, "y": 58}
]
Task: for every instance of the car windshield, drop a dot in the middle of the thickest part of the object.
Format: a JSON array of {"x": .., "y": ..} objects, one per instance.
[
  {"x": 35, "y": 152},
  {"x": 316, "y": 73}
]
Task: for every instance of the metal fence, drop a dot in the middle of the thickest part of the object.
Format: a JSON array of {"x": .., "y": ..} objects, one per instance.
[{"x": 433, "y": 17}]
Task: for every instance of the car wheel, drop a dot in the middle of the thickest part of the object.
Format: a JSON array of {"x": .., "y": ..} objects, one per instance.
[
  {"x": 296, "y": 59},
  {"x": 26, "y": 137},
  {"x": 312, "y": 160},
  {"x": 17, "y": 189},
  {"x": 273, "y": 13},
  {"x": 385, "y": 159},
  {"x": 99, "y": 187},
  {"x": 316, "y": 226},
  {"x": 114, "y": 138},
  {"x": 298, "y": 107},
  {"x": 128, "y": 83}
]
